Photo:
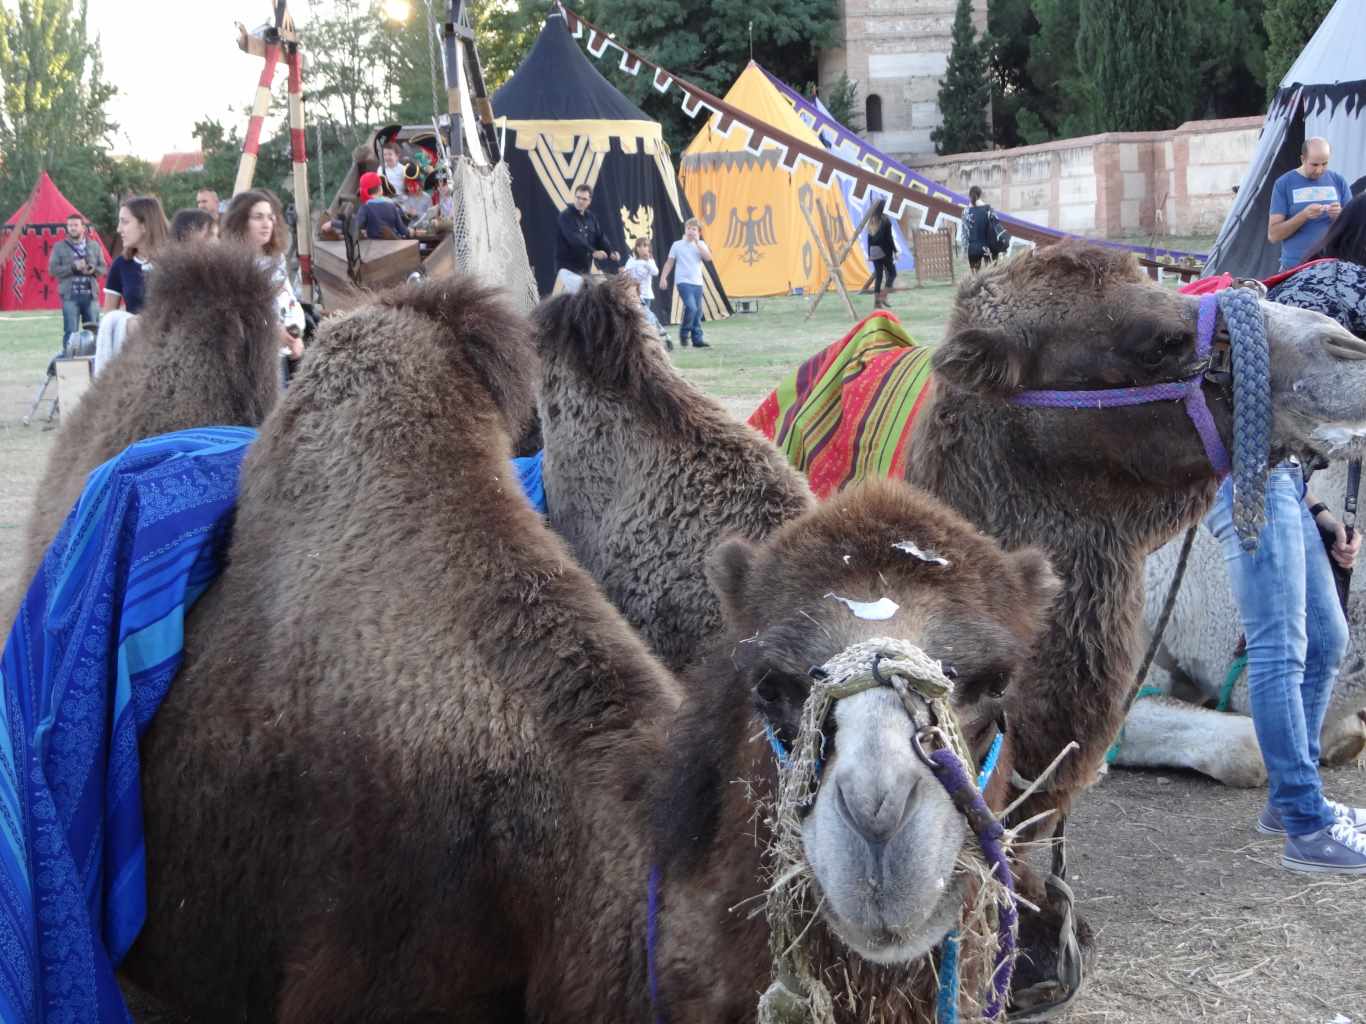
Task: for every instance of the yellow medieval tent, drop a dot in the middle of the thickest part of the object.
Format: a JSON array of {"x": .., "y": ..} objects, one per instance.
[{"x": 751, "y": 206}]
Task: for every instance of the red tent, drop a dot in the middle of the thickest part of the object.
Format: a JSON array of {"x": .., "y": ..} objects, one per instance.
[{"x": 26, "y": 242}]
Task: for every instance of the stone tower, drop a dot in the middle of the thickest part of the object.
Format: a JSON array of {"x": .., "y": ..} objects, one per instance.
[{"x": 896, "y": 51}]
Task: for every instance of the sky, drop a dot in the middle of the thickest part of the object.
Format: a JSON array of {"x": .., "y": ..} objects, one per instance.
[{"x": 175, "y": 62}]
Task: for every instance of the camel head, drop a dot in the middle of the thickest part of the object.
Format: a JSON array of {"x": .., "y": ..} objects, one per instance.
[
  {"x": 880, "y": 838},
  {"x": 1075, "y": 316}
]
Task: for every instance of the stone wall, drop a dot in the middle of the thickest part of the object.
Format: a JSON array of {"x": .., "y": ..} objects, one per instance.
[
  {"x": 1178, "y": 182},
  {"x": 897, "y": 50}
]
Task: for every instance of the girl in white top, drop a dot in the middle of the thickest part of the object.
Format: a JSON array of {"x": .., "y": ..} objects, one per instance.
[
  {"x": 641, "y": 267},
  {"x": 255, "y": 218}
]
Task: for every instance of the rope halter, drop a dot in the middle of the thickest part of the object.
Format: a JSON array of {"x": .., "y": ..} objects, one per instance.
[
  {"x": 925, "y": 692},
  {"x": 1251, "y": 379}
]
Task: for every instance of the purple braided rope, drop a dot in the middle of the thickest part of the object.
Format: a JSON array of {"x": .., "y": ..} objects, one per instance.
[
  {"x": 949, "y": 770},
  {"x": 1191, "y": 391}
]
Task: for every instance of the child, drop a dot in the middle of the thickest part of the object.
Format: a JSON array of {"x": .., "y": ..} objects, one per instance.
[{"x": 642, "y": 268}]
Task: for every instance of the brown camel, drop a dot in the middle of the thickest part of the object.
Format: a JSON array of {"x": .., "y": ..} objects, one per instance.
[
  {"x": 644, "y": 474},
  {"x": 1097, "y": 489},
  {"x": 416, "y": 766},
  {"x": 1076, "y": 483},
  {"x": 203, "y": 352}
]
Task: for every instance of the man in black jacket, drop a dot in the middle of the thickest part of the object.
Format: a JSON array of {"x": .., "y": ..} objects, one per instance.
[{"x": 580, "y": 241}]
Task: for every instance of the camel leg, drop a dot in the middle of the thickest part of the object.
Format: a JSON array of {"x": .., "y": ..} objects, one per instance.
[{"x": 1160, "y": 732}]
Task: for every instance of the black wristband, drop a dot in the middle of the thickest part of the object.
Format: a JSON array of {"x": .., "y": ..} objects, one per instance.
[{"x": 1316, "y": 508}]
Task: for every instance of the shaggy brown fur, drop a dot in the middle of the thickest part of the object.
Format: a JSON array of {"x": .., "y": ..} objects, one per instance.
[
  {"x": 643, "y": 473},
  {"x": 1097, "y": 489},
  {"x": 982, "y": 615},
  {"x": 203, "y": 352},
  {"x": 411, "y": 765}
]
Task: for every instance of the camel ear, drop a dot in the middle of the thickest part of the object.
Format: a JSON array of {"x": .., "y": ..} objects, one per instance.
[
  {"x": 729, "y": 567},
  {"x": 1040, "y": 582},
  {"x": 981, "y": 360}
]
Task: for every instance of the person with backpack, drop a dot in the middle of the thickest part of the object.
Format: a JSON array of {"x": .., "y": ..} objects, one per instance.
[
  {"x": 882, "y": 254},
  {"x": 980, "y": 234}
]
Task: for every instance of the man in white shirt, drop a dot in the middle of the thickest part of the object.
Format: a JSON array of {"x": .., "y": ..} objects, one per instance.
[{"x": 687, "y": 255}]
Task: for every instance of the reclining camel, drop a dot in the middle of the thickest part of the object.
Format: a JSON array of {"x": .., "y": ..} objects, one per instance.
[
  {"x": 1193, "y": 664},
  {"x": 205, "y": 353},
  {"x": 417, "y": 765}
]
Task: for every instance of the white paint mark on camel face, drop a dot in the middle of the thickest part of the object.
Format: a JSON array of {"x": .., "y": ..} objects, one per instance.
[
  {"x": 915, "y": 551},
  {"x": 873, "y": 611}
]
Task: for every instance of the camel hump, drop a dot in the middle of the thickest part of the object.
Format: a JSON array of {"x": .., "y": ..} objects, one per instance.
[
  {"x": 493, "y": 339},
  {"x": 198, "y": 288},
  {"x": 599, "y": 335}
]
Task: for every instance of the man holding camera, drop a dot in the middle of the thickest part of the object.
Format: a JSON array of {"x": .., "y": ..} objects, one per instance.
[{"x": 77, "y": 263}]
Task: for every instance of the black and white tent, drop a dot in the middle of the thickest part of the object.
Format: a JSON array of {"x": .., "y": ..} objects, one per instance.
[
  {"x": 567, "y": 126},
  {"x": 1323, "y": 94}
]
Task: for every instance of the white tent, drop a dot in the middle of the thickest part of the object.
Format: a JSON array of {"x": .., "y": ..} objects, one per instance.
[{"x": 1323, "y": 94}]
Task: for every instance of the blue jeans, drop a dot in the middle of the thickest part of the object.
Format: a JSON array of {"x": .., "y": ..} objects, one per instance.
[
  {"x": 1296, "y": 639},
  {"x": 691, "y": 294},
  {"x": 77, "y": 311}
]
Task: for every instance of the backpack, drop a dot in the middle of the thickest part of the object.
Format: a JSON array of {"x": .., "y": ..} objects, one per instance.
[{"x": 998, "y": 238}]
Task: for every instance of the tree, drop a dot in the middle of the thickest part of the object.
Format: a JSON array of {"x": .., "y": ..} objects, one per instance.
[
  {"x": 1230, "y": 58},
  {"x": 705, "y": 41},
  {"x": 965, "y": 93},
  {"x": 53, "y": 101},
  {"x": 1137, "y": 61},
  {"x": 1289, "y": 25},
  {"x": 841, "y": 99}
]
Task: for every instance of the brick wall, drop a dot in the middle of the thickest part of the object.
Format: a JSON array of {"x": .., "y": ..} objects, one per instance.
[{"x": 1178, "y": 182}]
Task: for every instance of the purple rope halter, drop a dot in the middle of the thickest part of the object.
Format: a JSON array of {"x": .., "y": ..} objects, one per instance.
[
  {"x": 1189, "y": 390},
  {"x": 949, "y": 770}
]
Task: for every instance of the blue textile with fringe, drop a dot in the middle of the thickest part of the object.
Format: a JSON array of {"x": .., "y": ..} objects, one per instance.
[{"x": 87, "y": 662}]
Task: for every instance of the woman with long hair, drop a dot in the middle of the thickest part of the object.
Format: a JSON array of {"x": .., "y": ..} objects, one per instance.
[
  {"x": 255, "y": 219},
  {"x": 143, "y": 232},
  {"x": 882, "y": 252},
  {"x": 1336, "y": 286}
]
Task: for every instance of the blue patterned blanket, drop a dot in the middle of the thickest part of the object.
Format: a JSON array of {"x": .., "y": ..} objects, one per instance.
[{"x": 87, "y": 663}]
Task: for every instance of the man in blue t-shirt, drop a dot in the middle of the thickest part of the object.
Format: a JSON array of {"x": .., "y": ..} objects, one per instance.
[{"x": 1304, "y": 204}]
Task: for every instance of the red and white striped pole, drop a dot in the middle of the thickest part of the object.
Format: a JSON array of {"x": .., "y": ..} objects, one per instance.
[
  {"x": 303, "y": 232},
  {"x": 246, "y": 167}
]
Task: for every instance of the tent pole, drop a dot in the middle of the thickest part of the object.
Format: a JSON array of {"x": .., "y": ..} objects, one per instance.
[
  {"x": 836, "y": 273},
  {"x": 826, "y": 255}
]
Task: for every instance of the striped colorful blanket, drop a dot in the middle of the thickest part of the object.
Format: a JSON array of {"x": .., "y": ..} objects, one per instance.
[{"x": 848, "y": 411}]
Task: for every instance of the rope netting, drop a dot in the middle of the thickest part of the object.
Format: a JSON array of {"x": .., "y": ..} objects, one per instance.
[{"x": 486, "y": 232}]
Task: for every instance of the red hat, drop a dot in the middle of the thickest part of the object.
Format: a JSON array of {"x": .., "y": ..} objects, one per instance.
[{"x": 370, "y": 184}]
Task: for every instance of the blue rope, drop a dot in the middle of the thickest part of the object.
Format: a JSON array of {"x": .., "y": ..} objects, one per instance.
[
  {"x": 946, "y": 1009},
  {"x": 651, "y": 940},
  {"x": 779, "y": 751}
]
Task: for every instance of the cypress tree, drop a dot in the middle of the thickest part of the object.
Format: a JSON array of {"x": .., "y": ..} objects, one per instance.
[
  {"x": 1138, "y": 63},
  {"x": 965, "y": 93},
  {"x": 1289, "y": 25}
]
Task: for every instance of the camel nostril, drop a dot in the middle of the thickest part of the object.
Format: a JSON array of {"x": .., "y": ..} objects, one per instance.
[{"x": 876, "y": 812}]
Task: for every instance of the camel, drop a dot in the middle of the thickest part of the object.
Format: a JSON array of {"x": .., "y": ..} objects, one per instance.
[
  {"x": 610, "y": 399},
  {"x": 417, "y": 765},
  {"x": 644, "y": 474},
  {"x": 203, "y": 352},
  {"x": 1193, "y": 662}
]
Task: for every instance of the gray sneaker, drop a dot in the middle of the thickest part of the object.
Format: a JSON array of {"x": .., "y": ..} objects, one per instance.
[
  {"x": 1269, "y": 821},
  {"x": 1338, "y": 849}
]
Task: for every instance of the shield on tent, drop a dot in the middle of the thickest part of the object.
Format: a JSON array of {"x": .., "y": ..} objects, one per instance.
[
  {"x": 1323, "y": 94},
  {"x": 755, "y": 211},
  {"x": 568, "y": 126},
  {"x": 26, "y": 243}
]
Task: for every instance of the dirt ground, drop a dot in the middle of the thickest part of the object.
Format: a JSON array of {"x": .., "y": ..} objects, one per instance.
[{"x": 1195, "y": 919}]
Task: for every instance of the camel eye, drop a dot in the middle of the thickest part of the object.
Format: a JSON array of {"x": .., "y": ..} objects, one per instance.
[{"x": 1165, "y": 347}]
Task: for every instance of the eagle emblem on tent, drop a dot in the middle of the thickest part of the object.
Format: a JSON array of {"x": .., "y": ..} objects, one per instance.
[
  {"x": 638, "y": 225},
  {"x": 751, "y": 233}
]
